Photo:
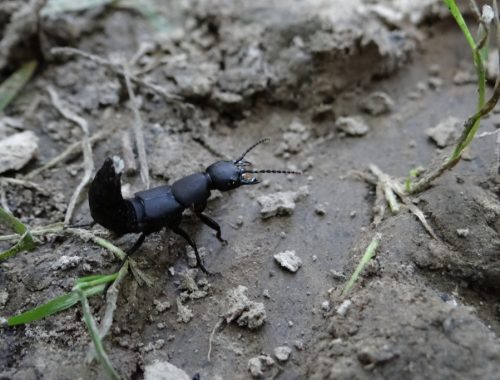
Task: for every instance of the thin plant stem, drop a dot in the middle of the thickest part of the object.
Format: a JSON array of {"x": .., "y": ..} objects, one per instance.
[
  {"x": 367, "y": 256},
  {"x": 94, "y": 334}
]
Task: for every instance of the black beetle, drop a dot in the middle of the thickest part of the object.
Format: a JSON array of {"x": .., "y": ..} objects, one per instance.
[{"x": 151, "y": 210}]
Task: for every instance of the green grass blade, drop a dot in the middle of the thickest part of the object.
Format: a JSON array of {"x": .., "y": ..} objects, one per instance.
[
  {"x": 59, "y": 6},
  {"x": 53, "y": 306},
  {"x": 22, "y": 245},
  {"x": 457, "y": 15},
  {"x": 94, "y": 334},
  {"x": 469, "y": 134},
  {"x": 12, "y": 222},
  {"x": 13, "y": 84},
  {"x": 368, "y": 255},
  {"x": 95, "y": 280},
  {"x": 25, "y": 243}
]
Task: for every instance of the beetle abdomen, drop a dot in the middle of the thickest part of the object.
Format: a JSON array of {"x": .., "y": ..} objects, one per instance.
[
  {"x": 107, "y": 206},
  {"x": 156, "y": 208}
]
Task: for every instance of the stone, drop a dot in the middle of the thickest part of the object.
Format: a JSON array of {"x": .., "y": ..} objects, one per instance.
[
  {"x": 289, "y": 260},
  {"x": 17, "y": 150},
  {"x": 352, "y": 126}
]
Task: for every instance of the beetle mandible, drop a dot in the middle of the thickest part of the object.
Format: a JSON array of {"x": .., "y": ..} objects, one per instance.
[{"x": 163, "y": 206}]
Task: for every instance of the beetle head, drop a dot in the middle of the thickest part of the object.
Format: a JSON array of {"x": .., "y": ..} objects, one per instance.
[{"x": 229, "y": 175}]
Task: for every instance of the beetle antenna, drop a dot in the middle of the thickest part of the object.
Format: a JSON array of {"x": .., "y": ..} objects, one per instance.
[
  {"x": 272, "y": 171},
  {"x": 249, "y": 149}
]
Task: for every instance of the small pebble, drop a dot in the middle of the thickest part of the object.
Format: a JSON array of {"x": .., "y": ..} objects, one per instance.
[
  {"x": 435, "y": 83},
  {"x": 325, "y": 305},
  {"x": 352, "y": 126},
  {"x": 377, "y": 103},
  {"x": 344, "y": 306},
  {"x": 320, "y": 210},
  {"x": 161, "y": 306},
  {"x": 4, "y": 297},
  {"x": 299, "y": 344},
  {"x": 159, "y": 344},
  {"x": 434, "y": 69},
  {"x": 445, "y": 132},
  {"x": 239, "y": 221},
  {"x": 422, "y": 86},
  {"x": 288, "y": 260},
  {"x": 282, "y": 353},
  {"x": 17, "y": 150},
  {"x": 337, "y": 275},
  {"x": 164, "y": 370},
  {"x": 66, "y": 262},
  {"x": 259, "y": 364},
  {"x": 184, "y": 314}
]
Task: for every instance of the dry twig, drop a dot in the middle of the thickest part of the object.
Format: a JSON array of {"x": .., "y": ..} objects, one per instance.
[
  {"x": 138, "y": 127},
  {"x": 111, "y": 298},
  {"x": 216, "y": 328},
  {"x": 70, "y": 150},
  {"x": 389, "y": 188},
  {"x": 88, "y": 161},
  {"x": 128, "y": 154}
]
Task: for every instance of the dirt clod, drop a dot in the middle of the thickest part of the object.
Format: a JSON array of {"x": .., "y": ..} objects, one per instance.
[
  {"x": 282, "y": 353},
  {"x": 159, "y": 370},
  {"x": 66, "y": 262},
  {"x": 259, "y": 364},
  {"x": 352, "y": 126},
  {"x": 464, "y": 76},
  {"x": 161, "y": 306},
  {"x": 445, "y": 132},
  {"x": 288, "y": 260},
  {"x": 17, "y": 150},
  {"x": 343, "y": 307},
  {"x": 299, "y": 344},
  {"x": 320, "y": 210},
  {"x": 281, "y": 203},
  {"x": 246, "y": 313},
  {"x": 184, "y": 314},
  {"x": 371, "y": 356},
  {"x": 4, "y": 297},
  {"x": 377, "y": 103}
]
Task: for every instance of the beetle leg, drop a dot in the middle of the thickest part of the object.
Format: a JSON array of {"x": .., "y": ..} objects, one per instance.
[
  {"x": 133, "y": 249},
  {"x": 213, "y": 225},
  {"x": 181, "y": 232},
  {"x": 136, "y": 245}
]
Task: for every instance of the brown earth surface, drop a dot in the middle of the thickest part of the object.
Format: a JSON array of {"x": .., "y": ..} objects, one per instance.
[{"x": 423, "y": 308}]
